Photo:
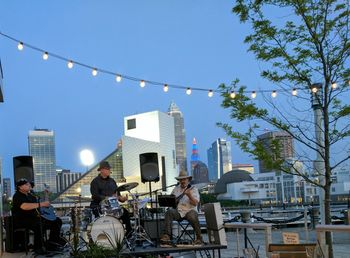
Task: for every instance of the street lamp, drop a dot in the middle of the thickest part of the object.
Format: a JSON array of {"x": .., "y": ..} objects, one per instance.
[{"x": 87, "y": 158}]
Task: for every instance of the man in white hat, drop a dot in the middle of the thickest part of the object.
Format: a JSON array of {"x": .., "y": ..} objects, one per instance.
[{"x": 187, "y": 198}]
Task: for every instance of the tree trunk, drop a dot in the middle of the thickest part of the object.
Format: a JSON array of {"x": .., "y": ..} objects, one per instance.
[{"x": 328, "y": 217}]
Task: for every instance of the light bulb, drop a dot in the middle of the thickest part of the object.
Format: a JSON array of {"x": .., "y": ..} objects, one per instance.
[
  {"x": 294, "y": 92},
  {"x": 142, "y": 83},
  {"x": 334, "y": 85},
  {"x": 188, "y": 91},
  {"x": 118, "y": 78},
  {"x": 232, "y": 95},
  {"x": 46, "y": 56},
  {"x": 274, "y": 94},
  {"x": 314, "y": 89},
  {"x": 210, "y": 93},
  {"x": 94, "y": 72},
  {"x": 20, "y": 46},
  {"x": 166, "y": 88},
  {"x": 70, "y": 64},
  {"x": 253, "y": 95}
]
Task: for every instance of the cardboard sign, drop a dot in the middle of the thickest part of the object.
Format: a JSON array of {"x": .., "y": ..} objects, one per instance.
[{"x": 290, "y": 238}]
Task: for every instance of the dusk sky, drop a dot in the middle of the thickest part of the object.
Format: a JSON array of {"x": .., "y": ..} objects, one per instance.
[{"x": 189, "y": 43}]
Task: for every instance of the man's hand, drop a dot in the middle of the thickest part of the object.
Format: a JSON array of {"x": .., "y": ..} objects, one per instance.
[{"x": 123, "y": 198}]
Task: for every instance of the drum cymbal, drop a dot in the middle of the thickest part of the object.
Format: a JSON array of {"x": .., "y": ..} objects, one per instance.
[{"x": 127, "y": 186}]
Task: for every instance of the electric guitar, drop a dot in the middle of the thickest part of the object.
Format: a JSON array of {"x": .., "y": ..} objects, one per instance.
[
  {"x": 178, "y": 198},
  {"x": 47, "y": 212}
]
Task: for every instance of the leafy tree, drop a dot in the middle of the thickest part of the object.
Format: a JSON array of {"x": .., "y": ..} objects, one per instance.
[{"x": 307, "y": 45}]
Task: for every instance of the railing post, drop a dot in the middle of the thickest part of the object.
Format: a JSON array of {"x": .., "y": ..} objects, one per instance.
[
  {"x": 347, "y": 217},
  {"x": 315, "y": 216},
  {"x": 245, "y": 217}
]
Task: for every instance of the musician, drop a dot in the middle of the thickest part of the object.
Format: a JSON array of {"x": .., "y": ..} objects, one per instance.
[
  {"x": 26, "y": 214},
  {"x": 188, "y": 199},
  {"x": 103, "y": 186}
]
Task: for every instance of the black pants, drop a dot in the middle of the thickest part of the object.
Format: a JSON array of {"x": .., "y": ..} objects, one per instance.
[
  {"x": 96, "y": 210},
  {"x": 38, "y": 225}
]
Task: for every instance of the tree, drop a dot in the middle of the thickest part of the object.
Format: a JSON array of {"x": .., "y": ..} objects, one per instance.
[{"x": 309, "y": 45}]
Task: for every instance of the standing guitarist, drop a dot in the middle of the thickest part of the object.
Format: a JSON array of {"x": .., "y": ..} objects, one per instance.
[
  {"x": 187, "y": 198},
  {"x": 26, "y": 214}
]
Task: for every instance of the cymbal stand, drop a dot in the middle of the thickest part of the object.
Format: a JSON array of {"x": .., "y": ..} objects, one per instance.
[{"x": 139, "y": 234}]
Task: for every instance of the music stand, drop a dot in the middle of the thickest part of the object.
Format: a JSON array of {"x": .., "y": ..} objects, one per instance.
[{"x": 167, "y": 200}]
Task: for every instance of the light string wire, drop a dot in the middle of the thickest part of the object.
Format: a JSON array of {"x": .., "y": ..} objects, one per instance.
[{"x": 142, "y": 82}]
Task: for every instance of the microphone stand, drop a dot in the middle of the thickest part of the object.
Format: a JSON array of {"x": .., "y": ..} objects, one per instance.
[
  {"x": 41, "y": 226},
  {"x": 157, "y": 216}
]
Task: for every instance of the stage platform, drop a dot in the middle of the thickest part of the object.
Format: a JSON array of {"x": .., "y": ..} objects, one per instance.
[{"x": 214, "y": 250}]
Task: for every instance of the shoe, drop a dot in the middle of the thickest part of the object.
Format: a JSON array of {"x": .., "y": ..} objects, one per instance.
[
  {"x": 165, "y": 238},
  {"x": 198, "y": 241}
]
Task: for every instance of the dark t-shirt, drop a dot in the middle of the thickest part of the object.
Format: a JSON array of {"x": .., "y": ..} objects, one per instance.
[
  {"x": 101, "y": 188},
  {"x": 20, "y": 198}
]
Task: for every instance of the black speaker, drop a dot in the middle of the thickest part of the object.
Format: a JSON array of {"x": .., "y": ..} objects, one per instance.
[
  {"x": 149, "y": 167},
  {"x": 151, "y": 228},
  {"x": 23, "y": 168}
]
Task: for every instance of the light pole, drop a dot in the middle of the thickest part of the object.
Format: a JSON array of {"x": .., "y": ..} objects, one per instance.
[
  {"x": 87, "y": 158},
  {"x": 319, "y": 169}
]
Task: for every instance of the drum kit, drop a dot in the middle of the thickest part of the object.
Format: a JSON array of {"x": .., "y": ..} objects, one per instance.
[{"x": 108, "y": 230}]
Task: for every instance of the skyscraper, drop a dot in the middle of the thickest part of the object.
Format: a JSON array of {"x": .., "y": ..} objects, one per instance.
[
  {"x": 42, "y": 148},
  {"x": 286, "y": 146},
  {"x": 180, "y": 136},
  {"x": 6, "y": 187},
  {"x": 219, "y": 159}
]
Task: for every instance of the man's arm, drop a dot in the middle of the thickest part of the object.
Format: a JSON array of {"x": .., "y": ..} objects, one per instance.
[
  {"x": 193, "y": 196},
  {"x": 31, "y": 206}
]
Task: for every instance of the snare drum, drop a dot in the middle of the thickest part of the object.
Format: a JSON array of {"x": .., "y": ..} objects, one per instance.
[
  {"x": 106, "y": 230},
  {"x": 110, "y": 206}
]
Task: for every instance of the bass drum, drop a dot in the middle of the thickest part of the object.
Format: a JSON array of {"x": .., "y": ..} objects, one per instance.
[{"x": 107, "y": 231}]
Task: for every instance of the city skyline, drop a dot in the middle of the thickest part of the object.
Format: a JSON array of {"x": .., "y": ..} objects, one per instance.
[{"x": 202, "y": 49}]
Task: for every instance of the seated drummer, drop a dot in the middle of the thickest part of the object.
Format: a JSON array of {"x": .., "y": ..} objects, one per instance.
[
  {"x": 104, "y": 186},
  {"x": 26, "y": 215}
]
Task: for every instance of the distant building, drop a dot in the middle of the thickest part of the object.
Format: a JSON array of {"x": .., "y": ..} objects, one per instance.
[
  {"x": 6, "y": 187},
  {"x": 267, "y": 188},
  {"x": 246, "y": 167},
  {"x": 286, "y": 146},
  {"x": 219, "y": 159},
  {"x": 42, "y": 148},
  {"x": 65, "y": 178},
  {"x": 149, "y": 132},
  {"x": 200, "y": 173},
  {"x": 82, "y": 185},
  {"x": 143, "y": 133},
  {"x": 180, "y": 136}
]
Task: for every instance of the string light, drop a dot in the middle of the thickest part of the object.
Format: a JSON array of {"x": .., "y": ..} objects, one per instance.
[
  {"x": 70, "y": 64},
  {"x": 142, "y": 83},
  {"x": 20, "y": 46},
  {"x": 118, "y": 78},
  {"x": 46, "y": 56},
  {"x": 165, "y": 88},
  {"x": 253, "y": 95},
  {"x": 232, "y": 95}
]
